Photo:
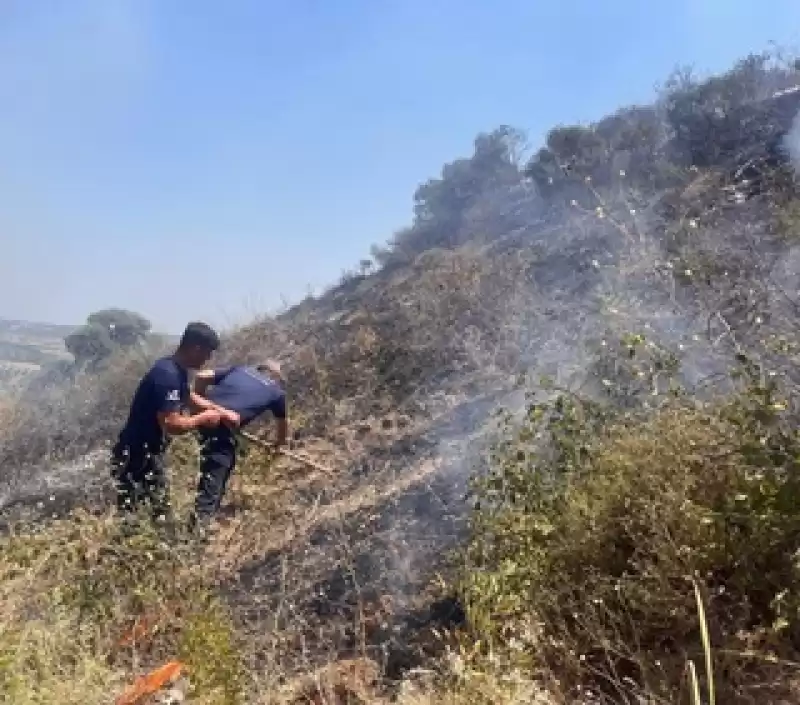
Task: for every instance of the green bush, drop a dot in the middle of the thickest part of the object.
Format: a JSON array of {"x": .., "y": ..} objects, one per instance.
[
  {"x": 209, "y": 647},
  {"x": 582, "y": 558}
]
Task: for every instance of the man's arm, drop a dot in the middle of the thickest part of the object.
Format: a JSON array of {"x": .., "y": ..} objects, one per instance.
[
  {"x": 175, "y": 423},
  {"x": 166, "y": 388},
  {"x": 200, "y": 403},
  {"x": 281, "y": 422},
  {"x": 282, "y": 426},
  {"x": 203, "y": 379}
]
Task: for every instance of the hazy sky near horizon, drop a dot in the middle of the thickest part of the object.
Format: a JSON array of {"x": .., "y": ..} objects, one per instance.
[{"x": 206, "y": 159}]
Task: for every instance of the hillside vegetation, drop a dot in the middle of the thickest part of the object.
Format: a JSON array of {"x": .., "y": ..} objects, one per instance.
[{"x": 560, "y": 414}]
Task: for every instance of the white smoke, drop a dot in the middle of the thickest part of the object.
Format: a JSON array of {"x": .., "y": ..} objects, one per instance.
[{"x": 792, "y": 144}]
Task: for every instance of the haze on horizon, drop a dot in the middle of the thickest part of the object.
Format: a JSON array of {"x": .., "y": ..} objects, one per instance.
[{"x": 212, "y": 164}]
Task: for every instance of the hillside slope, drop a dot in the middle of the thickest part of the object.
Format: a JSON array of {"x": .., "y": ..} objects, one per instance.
[{"x": 511, "y": 272}]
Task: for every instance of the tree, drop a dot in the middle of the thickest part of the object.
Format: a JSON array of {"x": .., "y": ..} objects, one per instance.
[
  {"x": 89, "y": 344},
  {"x": 124, "y": 327},
  {"x": 440, "y": 204},
  {"x": 715, "y": 118},
  {"x": 626, "y": 145},
  {"x": 105, "y": 332}
]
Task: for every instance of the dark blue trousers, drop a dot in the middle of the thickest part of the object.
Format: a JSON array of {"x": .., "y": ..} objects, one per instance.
[{"x": 217, "y": 462}]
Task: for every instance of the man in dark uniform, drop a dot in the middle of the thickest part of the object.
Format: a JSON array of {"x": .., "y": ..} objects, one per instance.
[
  {"x": 248, "y": 392},
  {"x": 156, "y": 414}
]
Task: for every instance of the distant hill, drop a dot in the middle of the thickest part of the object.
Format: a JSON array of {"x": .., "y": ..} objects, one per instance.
[
  {"x": 28, "y": 346},
  {"x": 33, "y": 330}
]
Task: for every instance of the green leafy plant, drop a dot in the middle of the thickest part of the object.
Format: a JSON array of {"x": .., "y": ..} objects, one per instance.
[{"x": 591, "y": 523}]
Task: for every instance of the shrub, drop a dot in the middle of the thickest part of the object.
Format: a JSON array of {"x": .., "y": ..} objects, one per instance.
[
  {"x": 587, "y": 566},
  {"x": 210, "y": 649}
]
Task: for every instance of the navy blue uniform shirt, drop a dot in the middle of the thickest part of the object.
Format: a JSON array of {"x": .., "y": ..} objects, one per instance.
[
  {"x": 248, "y": 393},
  {"x": 165, "y": 388}
]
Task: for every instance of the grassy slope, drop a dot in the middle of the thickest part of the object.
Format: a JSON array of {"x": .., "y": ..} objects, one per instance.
[
  {"x": 335, "y": 563},
  {"x": 314, "y": 581}
]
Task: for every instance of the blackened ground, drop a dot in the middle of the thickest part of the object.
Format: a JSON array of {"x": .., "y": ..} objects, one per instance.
[{"x": 357, "y": 586}]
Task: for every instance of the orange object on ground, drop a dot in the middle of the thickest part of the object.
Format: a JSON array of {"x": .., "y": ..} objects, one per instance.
[{"x": 151, "y": 683}]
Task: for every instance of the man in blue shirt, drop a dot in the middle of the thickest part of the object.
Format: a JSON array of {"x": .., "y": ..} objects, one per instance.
[
  {"x": 247, "y": 392},
  {"x": 156, "y": 413}
]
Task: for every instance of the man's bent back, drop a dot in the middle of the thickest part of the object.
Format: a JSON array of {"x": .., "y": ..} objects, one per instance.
[{"x": 249, "y": 392}]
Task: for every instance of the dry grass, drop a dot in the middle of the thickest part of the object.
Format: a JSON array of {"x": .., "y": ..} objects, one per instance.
[
  {"x": 73, "y": 594},
  {"x": 309, "y": 570}
]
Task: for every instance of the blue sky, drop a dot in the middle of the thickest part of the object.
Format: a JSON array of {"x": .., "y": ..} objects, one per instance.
[{"x": 208, "y": 159}]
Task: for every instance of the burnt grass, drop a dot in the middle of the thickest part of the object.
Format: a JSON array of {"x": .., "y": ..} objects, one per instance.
[
  {"x": 361, "y": 584},
  {"x": 371, "y": 601}
]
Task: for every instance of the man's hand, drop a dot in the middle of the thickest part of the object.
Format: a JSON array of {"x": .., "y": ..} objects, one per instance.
[
  {"x": 200, "y": 403},
  {"x": 230, "y": 418},
  {"x": 227, "y": 417},
  {"x": 210, "y": 418}
]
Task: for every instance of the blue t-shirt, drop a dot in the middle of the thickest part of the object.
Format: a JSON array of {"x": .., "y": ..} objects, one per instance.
[
  {"x": 248, "y": 393},
  {"x": 165, "y": 388}
]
